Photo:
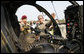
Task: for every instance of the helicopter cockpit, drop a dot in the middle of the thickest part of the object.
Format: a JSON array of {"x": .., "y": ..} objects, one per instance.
[{"x": 13, "y": 42}]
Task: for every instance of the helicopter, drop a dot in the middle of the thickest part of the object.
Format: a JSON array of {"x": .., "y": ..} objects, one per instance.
[{"x": 10, "y": 30}]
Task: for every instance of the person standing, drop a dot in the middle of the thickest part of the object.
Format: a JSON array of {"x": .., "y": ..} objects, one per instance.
[{"x": 24, "y": 25}]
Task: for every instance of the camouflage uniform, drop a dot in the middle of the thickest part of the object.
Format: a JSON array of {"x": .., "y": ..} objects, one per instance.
[
  {"x": 26, "y": 28},
  {"x": 43, "y": 26}
]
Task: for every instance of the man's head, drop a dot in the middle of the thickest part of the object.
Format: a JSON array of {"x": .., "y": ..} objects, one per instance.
[
  {"x": 24, "y": 18},
  {"x": 53, "y": 15},
  {"x": 40, "y": 18}
]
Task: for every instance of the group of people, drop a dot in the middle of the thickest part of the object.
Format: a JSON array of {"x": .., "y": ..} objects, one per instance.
[{"x": 40, "y": 24}]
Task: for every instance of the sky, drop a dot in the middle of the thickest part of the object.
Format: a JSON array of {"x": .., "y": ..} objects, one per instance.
[{"x": 32, "y": 13}]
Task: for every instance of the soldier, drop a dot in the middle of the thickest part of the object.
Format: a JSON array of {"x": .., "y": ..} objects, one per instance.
[
  {"x": 24, "y": 25},
  {"x": 42, "y": 25},
  {"x": 51, "y": 27},
  {"x": 53, "y": 15}
]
